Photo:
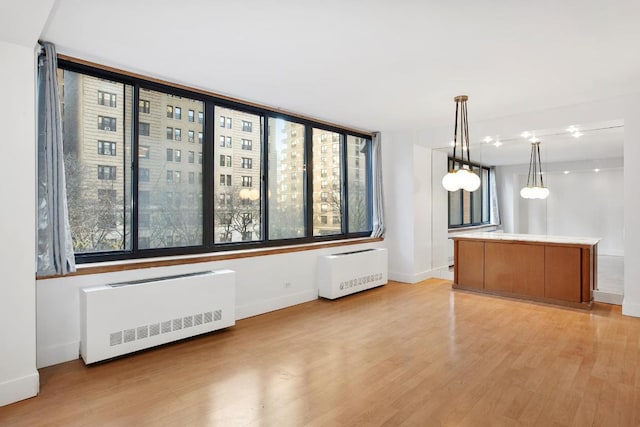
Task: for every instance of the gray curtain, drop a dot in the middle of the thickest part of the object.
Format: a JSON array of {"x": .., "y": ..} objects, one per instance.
[
  {"x": 376, "y": 186},
  {"x": 494, "y": 212},
  {"x": 55, "y": 247}
]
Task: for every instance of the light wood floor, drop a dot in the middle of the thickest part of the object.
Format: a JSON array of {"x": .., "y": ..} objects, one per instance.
[{"x": 400, "y": 355}]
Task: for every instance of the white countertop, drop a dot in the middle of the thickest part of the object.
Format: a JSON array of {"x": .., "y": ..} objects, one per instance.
[{"x": 538, "y": 238}]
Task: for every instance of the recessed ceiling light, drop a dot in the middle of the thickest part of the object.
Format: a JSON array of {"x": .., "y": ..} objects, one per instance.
[
  {"x": 487, "y": 139},
  {"x": 497, "y": 143},
  {"x": 572, "y": 129},
  {"x": 577, "y": 134},
  {"x": 596, "y": 170},
  {"x": 525, "y": 134},
  {"x": 566, "y": 172},
  {"x": 534, "y": 139}
]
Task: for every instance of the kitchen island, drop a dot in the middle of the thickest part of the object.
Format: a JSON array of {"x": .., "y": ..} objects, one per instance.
[{"x": 552, "y": 269}]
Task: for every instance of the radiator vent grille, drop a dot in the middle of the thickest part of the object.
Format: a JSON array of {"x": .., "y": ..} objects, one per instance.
[
  {"x": 360, "y": 281},
  {"x": 165, "y": 327}
]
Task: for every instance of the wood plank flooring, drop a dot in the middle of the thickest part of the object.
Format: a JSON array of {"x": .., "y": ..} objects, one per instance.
[{"x": 400, "y": 355}]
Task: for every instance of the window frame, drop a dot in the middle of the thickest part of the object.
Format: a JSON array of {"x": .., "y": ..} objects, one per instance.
[
  {"x": 210, "y": 169},
  {"x": 461, "y": 199}
]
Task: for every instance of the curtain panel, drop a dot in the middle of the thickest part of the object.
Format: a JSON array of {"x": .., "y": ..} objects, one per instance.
[{"x": 55, "y": 248}]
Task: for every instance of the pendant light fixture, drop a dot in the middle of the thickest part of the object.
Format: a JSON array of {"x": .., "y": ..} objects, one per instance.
[
  {"x": 535, "y": 188},
  {"x": 462, "y": 177}
]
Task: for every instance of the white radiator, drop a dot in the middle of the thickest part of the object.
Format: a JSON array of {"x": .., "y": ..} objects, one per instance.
[
  {"x": 126, "y": 317},
  {"x": 350, "y": 272}
]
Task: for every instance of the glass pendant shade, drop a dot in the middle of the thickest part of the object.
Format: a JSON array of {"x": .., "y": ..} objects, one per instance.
[
  {"x": 535, "y": 188},
  {"x": 459, "y": 177}
]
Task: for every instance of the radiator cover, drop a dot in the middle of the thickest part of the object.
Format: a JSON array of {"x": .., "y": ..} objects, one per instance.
[
  {"x": 346, "y": 273},
  {"x": 125, "y": 317}
]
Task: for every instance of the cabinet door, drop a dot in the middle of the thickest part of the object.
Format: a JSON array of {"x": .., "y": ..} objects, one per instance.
[
  {"x": 562, "y": 273},
  {"x": 469, "y": 264},
  {"x": 515, "y": 268}
]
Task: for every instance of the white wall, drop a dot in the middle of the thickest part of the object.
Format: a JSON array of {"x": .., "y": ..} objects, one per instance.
[
  {"x": 581, "y": 203},
  {"x": 18, "y": 375},
  {"x": 263, "y": 284},
  {"x": 631, "y": 302}
]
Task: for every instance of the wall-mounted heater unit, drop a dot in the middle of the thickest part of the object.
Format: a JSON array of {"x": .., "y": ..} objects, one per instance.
[
  {"x": 346, "y": 273},
  {"x": 125, "y": 317}
]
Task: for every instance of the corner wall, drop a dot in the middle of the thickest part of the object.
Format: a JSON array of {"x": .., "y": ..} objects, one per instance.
[{"x": 18, "y": 375}]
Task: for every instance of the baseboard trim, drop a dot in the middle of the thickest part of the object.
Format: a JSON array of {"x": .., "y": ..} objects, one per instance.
[
  {"x": 19, "y": 388},
  {"x": 273, "y": 304},
  {"x": 440, "y": 272},
  {"x": 607, "y": 297},
  {"x": 55, "y": 354}
]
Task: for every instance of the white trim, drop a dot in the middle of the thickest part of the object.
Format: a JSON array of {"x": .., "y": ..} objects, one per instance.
[
  {"x": 419, "y": 277},
  {"x": 629, "y": 309},
  {"x": 607, "y": 297},
  {"x": 19, "y": 388},
  {"x": 55, "y": 354},
  {"x": 261, "y": 307}
]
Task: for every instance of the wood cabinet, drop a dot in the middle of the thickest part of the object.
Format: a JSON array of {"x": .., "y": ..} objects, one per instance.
[{"x": 542, "y": 268}]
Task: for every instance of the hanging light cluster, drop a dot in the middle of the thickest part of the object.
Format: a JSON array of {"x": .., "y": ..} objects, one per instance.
[
  {"x": 462, "y": 177},
  {"x": 535, "y": 188}
]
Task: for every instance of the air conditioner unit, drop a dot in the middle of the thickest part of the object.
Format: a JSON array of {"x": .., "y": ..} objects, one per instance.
[{"x": 106, "y": 128}]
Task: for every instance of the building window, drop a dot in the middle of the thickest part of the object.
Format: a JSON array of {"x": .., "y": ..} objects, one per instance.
[
  {"x": 106, "y": 98},
  {"x": 144, "y": 106},
  {"x": 247, "y": 163},
  {"x": 225, "y": 180},
  {"x": 246, "y": 181},
  {"x": 177, "y": 156},
  {"x": 246, "y": 126},
  {"x": 107, "y": 148},
  {"x": 107, "y": 123},
  {"x": 191, "y": 115},
  {"x": 169, "y": 132},
  {"x": 192, "y": 177},
  {"x": 246, "y": 144},
  {"x": 144, "y": 152},
  {"x": 143, "y": 175},
  {"x": 143, "y": 129},
  {"x": 169, "y": 154},
  {"x": 191, "y": 136},
  {"x": 225, "y": 161},
  {"x": 200, "y": 117},
  {"x": 170, "y": 111},
  {"x": 178, "y": 134},
  {"x": 200, "y": 137},
  {"x": 107, "y": 172},
  {"x": 178, "y": 113},
  {"x": 199, "y": 158},
  {"x": 191, "y": 157},
  {"x": 225, "y": 122}
]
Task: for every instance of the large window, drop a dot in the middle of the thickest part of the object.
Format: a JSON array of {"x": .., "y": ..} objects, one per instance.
[
  {"x": 326, "y": 202},
  {"x": 285, "y": 180},
  {"x": 98, "y": 181},
  {"x": 172, "y": 221},
  {"x": 287, "y": 211},
  {"x": 467, "y": 209}
]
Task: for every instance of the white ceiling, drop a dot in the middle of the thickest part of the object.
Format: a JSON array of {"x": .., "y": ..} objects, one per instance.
[{"x": 371, "y": 64}]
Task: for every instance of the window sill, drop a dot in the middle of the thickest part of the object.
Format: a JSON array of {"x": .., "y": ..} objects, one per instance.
[
  {"x": 490, "y": 227},
  {"x": 109, "y": 267}
]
